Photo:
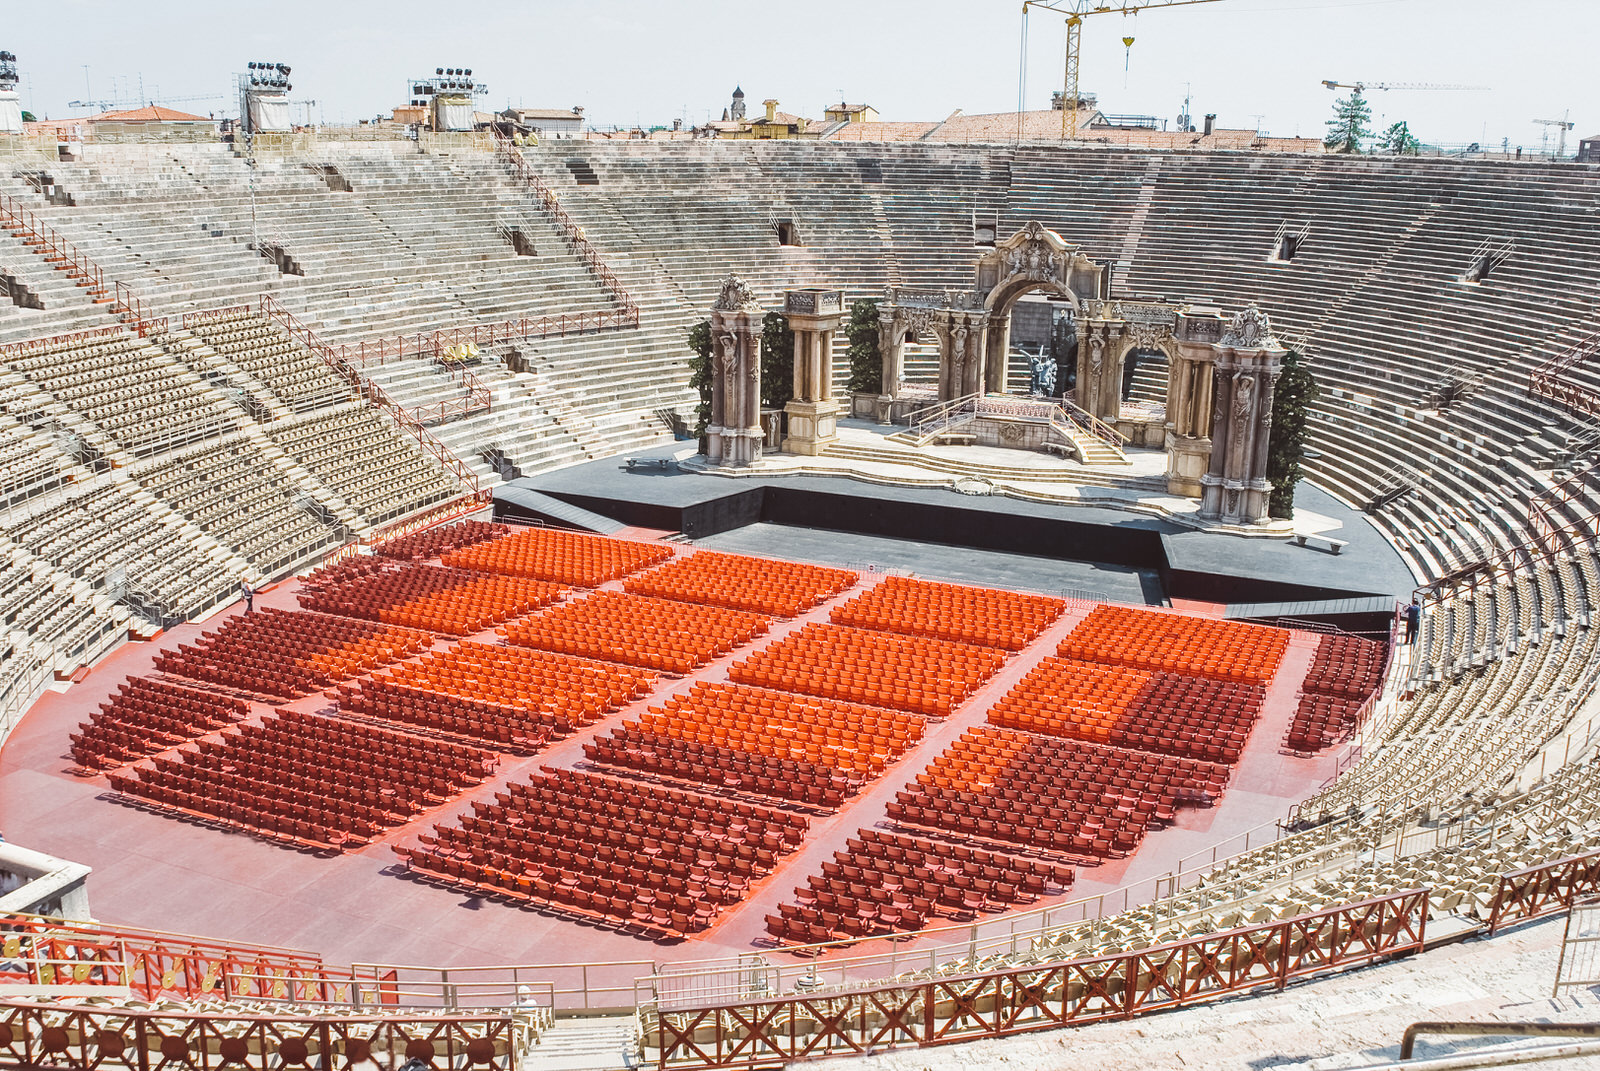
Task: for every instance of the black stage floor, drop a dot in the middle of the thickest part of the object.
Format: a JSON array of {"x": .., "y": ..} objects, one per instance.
[{"x": 993, "y": 540}]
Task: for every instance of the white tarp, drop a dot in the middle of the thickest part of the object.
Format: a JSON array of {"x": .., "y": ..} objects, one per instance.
[
  {"x": 452, "y": 112},
  {"x": 269, "y": 113},
  {"x": 10, "y": 112}
]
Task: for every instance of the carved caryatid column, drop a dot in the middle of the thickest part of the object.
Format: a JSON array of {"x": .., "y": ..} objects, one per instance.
[
  {"x": 1189, "y": 400},
  {"x": 1248, "y": 359},
  {"x": 814, "y": 314},
  {"x": 735, "y": 431}
]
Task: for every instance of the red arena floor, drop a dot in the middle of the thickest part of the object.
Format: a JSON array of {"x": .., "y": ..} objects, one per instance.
[{"x": 1118, "y": 739}]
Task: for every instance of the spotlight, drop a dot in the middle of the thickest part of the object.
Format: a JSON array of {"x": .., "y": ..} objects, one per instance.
[
  {"x": 252, "y": 65},
  {"x": 438, "y": 70},
  {"x": 469, "y": 72},
  {"x": 284, "y": 67}
]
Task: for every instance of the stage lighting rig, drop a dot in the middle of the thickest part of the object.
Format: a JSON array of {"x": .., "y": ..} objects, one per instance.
[
  {"x": 264, "y": 97},
  {"x": 8, "y": 70},
  {"x": 447, "y": 81}
]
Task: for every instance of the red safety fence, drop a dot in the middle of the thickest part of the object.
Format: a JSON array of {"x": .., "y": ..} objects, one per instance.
[
  {"x": 1543, "y": 889},
  {"x": 943, "y": 1010},
  {"x": 374, "y": 394},
  {"x": 37, "y": 951},
  {"x": 63, "y": 256},
  {"x": 576, "y": 238},
  {"x": 1549, "y": 380},
  {"x": 54, "y": 1036},
  {"x": 17, "y": 351}
]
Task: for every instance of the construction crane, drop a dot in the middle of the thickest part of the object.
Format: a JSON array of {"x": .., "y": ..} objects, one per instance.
[
  {"x": 1561, "y": 124},
  {"x": 1076, "y": 11},
  {"x": 107, "y": 105},
  {"x": 1362, "y": 87}
]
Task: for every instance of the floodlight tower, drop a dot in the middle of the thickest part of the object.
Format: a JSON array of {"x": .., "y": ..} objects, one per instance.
[
  {"x": 448, "y": 97},
  {"x": 264, "y": 98},
  {"x": 10, "y": 102}
]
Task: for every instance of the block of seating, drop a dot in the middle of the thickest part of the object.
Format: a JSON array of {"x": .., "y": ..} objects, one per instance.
[
  {"x": 577, "y": 558},
  {"x": 528, "y": 689},
  {"x": 985, "y": 616},
  {"x": 801, "y": 748},
  {"x": 147, "y": 716},
  {"x": 1321, "y": 721},
  {"x": 310, "y": 780},
  {"x": 1057, "y": 795},
  {"x": 761, "y": 585},
  {"x": 380, "y": 699},
  {"x": 1152, "y": 710},
  {"x": 1345, "y": 672},
  {"x": 450, "y": 601},
  {"x": 432, "y": 542},
  {"x": 1202, "y": 647},
  {"x": 659, "y": 634},
  {"x": 887, "y": 882},
  {"x": 1346, "y": 665},
  {"x": 290, "y": 653},
  {"x": 915, "y": 673},
  {"x": 640, "y": 856}
]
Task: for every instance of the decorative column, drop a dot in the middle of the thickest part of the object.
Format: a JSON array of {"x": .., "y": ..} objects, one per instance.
[
  {"x": 1248, "y": 361},
  {"x": 735, "y": 430},
  {"x": 1189, "y": 409},
  {"x": 814, "y": 314},
  {"x": 892, "y": 352}
]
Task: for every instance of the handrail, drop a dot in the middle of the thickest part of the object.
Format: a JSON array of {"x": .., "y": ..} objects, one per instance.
[
  {"x": 575, "y": 236},
  {"x": 1522, "y": 559},
  {"x": 934, "y": 417},
  {"x": 1547, "y": 380},
  {"x": 1461, "y": 1028},
  {"x": 64, "y": 256},
  {"x": 374, "y": 394}
]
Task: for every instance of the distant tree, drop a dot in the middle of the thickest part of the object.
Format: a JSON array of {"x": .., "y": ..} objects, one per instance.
[
  {"x": 1347, "y": 130},
  {"x": 700, "y": 376},
  {"x": 1286, "y": 446},
  {"x": 777, "y": 361},
  {"x": 1398, "y": 140},
  {"x": 866, "y": 364}
]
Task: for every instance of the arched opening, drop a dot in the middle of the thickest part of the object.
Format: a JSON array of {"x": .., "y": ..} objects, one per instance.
[
  {"x": 1012, "y": 337},
  {"x": 1144, "y": 376}
]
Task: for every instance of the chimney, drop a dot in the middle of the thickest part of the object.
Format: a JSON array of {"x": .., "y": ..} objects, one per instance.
[
  {"x": 1211, "y": 120},
  {"x": 677, "y": 124},
  {"x": 772, "y": 109}
]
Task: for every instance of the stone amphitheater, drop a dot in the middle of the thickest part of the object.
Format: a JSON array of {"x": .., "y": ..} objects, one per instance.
[{"x": 213, "y": 372}]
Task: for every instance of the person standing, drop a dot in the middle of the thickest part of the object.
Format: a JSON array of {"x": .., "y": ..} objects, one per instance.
[
  {"x": 248, "y": 593},
  {"x": 1413, "y": 615}
]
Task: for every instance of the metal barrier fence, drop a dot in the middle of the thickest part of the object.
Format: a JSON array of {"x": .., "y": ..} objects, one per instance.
[
  {"x": 564, "y": 987},
  {"x": 943, "y": 1010},
  {"x": 56, "y": 1036}
]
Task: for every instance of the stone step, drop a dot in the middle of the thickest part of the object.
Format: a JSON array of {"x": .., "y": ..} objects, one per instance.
[{"x": 603, "y": 1043}]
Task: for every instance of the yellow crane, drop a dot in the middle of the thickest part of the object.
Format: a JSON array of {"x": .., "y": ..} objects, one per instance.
[{"x": 1076, "y": 11}]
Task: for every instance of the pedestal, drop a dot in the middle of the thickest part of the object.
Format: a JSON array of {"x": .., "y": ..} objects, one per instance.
[
  {"x": 813, "y": 427},
  {"x": 1188, "y": 459}
]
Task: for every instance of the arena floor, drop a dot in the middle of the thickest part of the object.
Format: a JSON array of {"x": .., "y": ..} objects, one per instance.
[{"x": 154, "y": 871}]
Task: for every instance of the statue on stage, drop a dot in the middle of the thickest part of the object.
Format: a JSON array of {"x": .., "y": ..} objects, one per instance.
[{"x": 1044, "y": 375}]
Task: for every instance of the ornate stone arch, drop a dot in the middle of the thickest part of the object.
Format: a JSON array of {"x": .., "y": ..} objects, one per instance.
[{"x": 1034, "y": 259}]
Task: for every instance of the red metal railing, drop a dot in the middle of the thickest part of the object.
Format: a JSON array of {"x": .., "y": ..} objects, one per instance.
[
  {"x": 54, "y": 952},
  {"x": 36, "y": 346},
  {"x": 373, "y": 394},
  {"x": 1524, "y": 559},
  {"x": 1543, "y": 889},
  {"x": 1549, "y": 379},
  {"x": 577, "y": 240},
  {"x": 434, "y": 343},
  {"x": 943, "y": 1010},
  {"x": 1544, "y": 517},
  {"x": 206, "y": 316},
  {"x": 50, "y": 1036},
  {"x": 63, "y": 256}
]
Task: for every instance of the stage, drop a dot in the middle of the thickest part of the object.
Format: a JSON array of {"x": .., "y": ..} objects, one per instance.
[{"x": 1121, "y": 552}]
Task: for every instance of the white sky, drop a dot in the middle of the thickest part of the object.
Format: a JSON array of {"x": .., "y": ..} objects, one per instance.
[{"x": 633, "y": 61}]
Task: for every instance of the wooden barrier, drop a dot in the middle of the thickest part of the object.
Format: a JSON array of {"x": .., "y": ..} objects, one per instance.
[
  {"x": 56, "y": 1036},
  {"x": 943, "y": 1010},
  {"x": 1543, "y": 889}
]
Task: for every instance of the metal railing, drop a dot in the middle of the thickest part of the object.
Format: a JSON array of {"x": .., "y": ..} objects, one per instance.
[
  {"x": 1550, "y": 380},
  {"x": 934, "y": 419},
  {"x": 562, "y": 987},
  {"x": 372, "y": 393},
  {"x": 577, "y": 239}
]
